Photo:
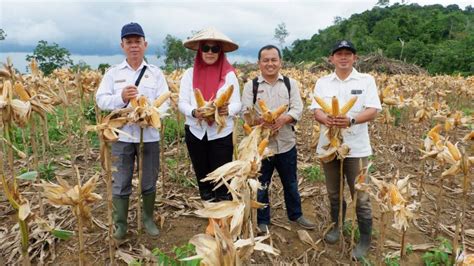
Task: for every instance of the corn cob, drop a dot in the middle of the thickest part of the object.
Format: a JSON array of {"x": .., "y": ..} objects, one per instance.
[
  {"x": 160, "y": 100},
  {"x": 247, "y": 129},
  {"x": 199, "y": 98},
  {"x": 134, "y": 102},
  {"x": 323, "y": 105},
  {"x": 280, "y": 110},
  {"x": 224, "y": 97},
  {"x": 348, "y": 105},
  {"x": 435, "y": 129},
  {"x": 395, "y": 196},
  {"x": 142, "y": 101},
  {"x": 261, "y": 147},
  {"x": 263, "y": 106},
  {"x": 453, "y": 150},
  {"x": 21, "y": 91},
  {"x": 335, "y": 106}
]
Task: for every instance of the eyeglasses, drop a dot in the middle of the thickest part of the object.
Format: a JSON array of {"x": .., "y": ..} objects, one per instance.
[{"x": 214, "y": 49}]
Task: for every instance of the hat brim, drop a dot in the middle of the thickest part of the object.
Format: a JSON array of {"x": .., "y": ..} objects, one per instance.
[
  {"x": 133, "y": 33},
  {"x": 347, "y": 48},
  {"x": 226, "y": 46}
]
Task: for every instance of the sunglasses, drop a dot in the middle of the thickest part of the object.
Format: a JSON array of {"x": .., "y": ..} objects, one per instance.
[{"x": 214, "y": 49}]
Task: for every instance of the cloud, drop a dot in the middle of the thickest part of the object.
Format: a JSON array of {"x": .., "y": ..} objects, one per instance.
[{"x": 93, "y": 27}]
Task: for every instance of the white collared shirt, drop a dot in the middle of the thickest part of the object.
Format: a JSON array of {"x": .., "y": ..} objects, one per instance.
[
  {"x": 152, "y": 85},
  {"x": 356, "y": 84},
  {"x": 187, "y": 103}
]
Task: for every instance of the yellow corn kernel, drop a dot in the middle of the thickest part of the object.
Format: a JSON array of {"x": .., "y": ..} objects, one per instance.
[
  {"x": 280, "y": 110},
  {"x": 160, "y": 100},
  {"x": 134, "y": 102},
  {"x": 247, "y": 129},
  {"x": 21, "y": 91},
  {"x": 224, "y": 97},
  {"x": 142, "y": 101},
  {"x": 323, "y": 105},
  {"x": 199, "y": 98},
  {"x": 335, "y": 106},
  {"x": 453, "y": 150},
  {"x": 263, "y": 144},
  {"x": 348, "y": 105},
  {"x": 263, "y": 106}
]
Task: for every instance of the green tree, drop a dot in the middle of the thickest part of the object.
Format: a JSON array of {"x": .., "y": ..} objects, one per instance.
[
  {"x": 103, "y": 67},
  {"x": 281, "y": 33},
  {"x": 81, "y": 66},
  {"x": 434, "y": 37},
  {"x": 50, "y": 57},
  {"x": 383, "y": 3},
  {"x": 176, "y": 56},
  {"x": 2, "y": 35}
]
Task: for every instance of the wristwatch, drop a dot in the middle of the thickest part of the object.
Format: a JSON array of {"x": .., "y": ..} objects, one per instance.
[
  {"x": 352, "y": 121},
  {"x": 193, "y": 113}
]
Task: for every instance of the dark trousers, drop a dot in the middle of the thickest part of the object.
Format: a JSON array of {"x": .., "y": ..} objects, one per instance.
[
  {"x": 285, "y": 164},
  {"x": 123, "y": 158},
  {"x": 206, "y": 156},
  {"x": 351, "y": 171}
]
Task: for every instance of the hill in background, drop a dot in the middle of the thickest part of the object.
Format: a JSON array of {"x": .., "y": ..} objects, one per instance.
[{"x": 439, "y": 39}]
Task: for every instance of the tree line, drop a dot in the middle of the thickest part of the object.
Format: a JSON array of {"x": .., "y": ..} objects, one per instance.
[{"x": 439, "y": 39}]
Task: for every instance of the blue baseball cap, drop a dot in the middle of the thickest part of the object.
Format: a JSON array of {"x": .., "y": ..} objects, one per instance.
[
  {"x": 344, "y": 44},
  {"x": 132, "y": 28}
]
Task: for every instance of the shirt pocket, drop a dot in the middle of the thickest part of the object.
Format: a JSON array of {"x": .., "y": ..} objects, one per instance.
[
  {"x": 148, "y": 89},
  {"x": 359, "y": 105},
  {"x": 283, "y": 97},
  {"x": 118, "y": 88}
]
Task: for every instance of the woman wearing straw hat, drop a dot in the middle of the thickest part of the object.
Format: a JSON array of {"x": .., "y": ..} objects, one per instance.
[{"x": 212, "y": 74}]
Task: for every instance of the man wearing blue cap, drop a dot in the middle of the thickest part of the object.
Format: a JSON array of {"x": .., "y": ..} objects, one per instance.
[
  {"x": 121, "y": 83},
  {"x": 345, "y": 83}
]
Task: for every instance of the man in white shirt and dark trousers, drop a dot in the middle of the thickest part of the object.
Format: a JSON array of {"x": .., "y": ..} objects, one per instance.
[
  {"x": 121, "y": 83},
  {"x": 345, "y": 83},
  {"x": 276, "y": 90}
]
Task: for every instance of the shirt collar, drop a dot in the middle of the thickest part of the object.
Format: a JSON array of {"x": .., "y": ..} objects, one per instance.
[
  {"x": 125, "y": 64},
  {"x": 261, "y": 79},
  {"x": 353, "y": 75}
]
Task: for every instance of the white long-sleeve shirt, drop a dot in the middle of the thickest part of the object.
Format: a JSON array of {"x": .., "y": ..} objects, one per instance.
[
  {"x": 187, "y": 103},
  {"x": 152, "y": 85}
]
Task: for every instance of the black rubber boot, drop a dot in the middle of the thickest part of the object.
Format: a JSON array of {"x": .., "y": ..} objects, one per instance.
[
  {"x": 120, "y": 214},
  {"x": 332, "y": 237},
  {"x": 148, "y": 221},
  {"x": 361, "y": 249}
]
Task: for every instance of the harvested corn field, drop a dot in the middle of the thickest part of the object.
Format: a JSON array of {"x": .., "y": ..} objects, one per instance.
[{"x": 56, "y": 178}]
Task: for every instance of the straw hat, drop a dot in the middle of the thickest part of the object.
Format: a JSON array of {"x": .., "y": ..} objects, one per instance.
[{"x": 211, "y": 34}]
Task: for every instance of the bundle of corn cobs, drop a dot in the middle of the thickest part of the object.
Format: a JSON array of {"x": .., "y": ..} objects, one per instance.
[
  {"x": 336, "y": 147},
  {"x": 210, "y": 109}
]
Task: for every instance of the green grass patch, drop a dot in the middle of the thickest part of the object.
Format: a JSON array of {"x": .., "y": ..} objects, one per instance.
[{"x": 313, "y": 174}]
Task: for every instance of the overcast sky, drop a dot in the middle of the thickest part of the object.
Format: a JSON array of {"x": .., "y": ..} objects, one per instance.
[{"x": 90, "y": 30}]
